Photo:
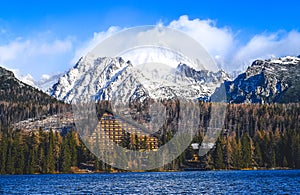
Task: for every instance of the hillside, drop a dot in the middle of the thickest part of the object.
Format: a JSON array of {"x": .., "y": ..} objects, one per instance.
[
  {"x": 19, "y": 101},
  {"x": 104, "y": 78},
  {"x": 267, "y": 81}
]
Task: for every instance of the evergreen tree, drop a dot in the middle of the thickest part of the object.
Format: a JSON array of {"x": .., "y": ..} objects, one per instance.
[
  {"x": 10, "y": 167},
  {"x": 246, "y": 151},
  {"x": 3, "y": 154},
  {"x": 50, "y": 154},
  {"x": 32, "y": 165},
  {"x": 72, "y": 147},
  {"x": 66, "y": 158},
  {"x": 18, "y": 154},
  {"x": 257, "y": 155},
  {"x": 218, "y": 155},
  {"x": 237, "y": 154}
]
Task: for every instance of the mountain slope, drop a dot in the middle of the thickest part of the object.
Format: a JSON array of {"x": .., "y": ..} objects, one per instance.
[
  {"x": 13, "y": 90},
  {"x": 113, "y": 77},
  {"x": 267, "y": 81},
  {"x": 19, "y": 101},
  {"x": 46, "y": 83},
  {"x": 88, "y": 76}
]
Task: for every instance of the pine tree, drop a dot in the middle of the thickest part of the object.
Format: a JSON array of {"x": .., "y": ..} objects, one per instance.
[
  {"x": 246, "y": 151},
  {"x": 50, "y": 153},
  {"x": 297, "y": 152},
  {"x": 10, "y": 167},
  {"x": 18, "y": 153},
  {"x": 3, "y": 154},
  {"x": 229, "y": 153},
  {"x": 71, "y": 139},
  {"x": 41, "y": 160},
  {"x": 218, "y": 155},
  {"x": 57, "y": 150},
  {"x": 237, "y": 154},
  {"x": 257, "y": 155},
  {"x": 136, "y": 142},
  {"x": 66, "y": 158},
  {"x": 125, "y": 142},
  {"x": 32, "y": 162}
]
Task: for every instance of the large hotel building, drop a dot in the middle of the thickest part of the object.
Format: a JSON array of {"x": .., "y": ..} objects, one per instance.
[{"x": 117, "y": 130}]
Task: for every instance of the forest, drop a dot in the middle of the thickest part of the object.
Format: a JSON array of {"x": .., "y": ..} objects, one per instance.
[{"x": 260, "y": 136}]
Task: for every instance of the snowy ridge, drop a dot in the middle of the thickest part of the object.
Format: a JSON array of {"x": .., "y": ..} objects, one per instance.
[
  {"x": 46, "y": 83},
  {"x": 28, "y": 79},
  {"x": 87, "y": 77},
  {"x": 105, "y": 78},
  {"x": 267, "y": 81},
  {"x": 142, "y": 55},
  {"x": 9, "y": 75}
]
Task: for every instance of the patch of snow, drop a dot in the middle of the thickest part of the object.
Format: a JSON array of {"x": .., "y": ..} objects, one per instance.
[{"x": 103, "y": 78}]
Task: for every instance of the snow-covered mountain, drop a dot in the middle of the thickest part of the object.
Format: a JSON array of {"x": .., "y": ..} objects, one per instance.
[
  {"x": 267, "y": 81},
  {"x": 105, "y": 78},
  {"x": 28, "y": 79},
  {"x": 46, "y": 83},
  {"x": 15, "y": 91}
]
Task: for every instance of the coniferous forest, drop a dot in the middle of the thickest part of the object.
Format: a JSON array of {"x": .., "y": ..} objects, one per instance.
[{"x": 258, "y": 136}]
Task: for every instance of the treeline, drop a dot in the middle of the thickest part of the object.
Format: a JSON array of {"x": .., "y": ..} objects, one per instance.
[
  {"x": 19, "y": 101},
  {"x": 264, "y": 150},
  {"x": 42, "y": 152},
  {"x": 254, "y": 136},
  {"x": 14, "y": 112},
  {"x": 261, "y": 136}
]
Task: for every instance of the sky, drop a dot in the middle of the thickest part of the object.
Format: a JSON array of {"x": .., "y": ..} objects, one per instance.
[{"x": 41, "y": 38}]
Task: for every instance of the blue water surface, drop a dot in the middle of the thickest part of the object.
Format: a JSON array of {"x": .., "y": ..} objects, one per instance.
[{"x": 200, "y": 182}]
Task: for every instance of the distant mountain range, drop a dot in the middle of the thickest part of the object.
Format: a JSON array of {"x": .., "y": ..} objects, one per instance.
[
  {"x": 106, "y": 77},
  {"x": 272, "y": 131},
  {"x": 14, "y": 90},
  {"x": 265, "y": 81}
]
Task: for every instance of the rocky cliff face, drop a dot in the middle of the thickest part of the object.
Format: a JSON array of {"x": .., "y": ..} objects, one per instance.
[
  {"x": 105, "y": 78},
  {"x": 267, "y": 81}
]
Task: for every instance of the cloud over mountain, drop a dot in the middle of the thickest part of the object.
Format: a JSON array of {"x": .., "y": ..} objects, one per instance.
[
  {"x": 222, "y": 43},
  {"x": 44, "y": 54}
]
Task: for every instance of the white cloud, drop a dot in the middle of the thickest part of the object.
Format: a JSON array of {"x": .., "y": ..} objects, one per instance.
[
  {"x": 93, "y": 42},
  {"x": 11, "y": 50},
  {"x": 268, "y": 46},
  {"x": 224, "y": 45},
  {"x": 40, "y": 54},
  {"x": 218, "y": 41},
  {"x": 226, "y": 48},
  {"x": 28, "y": 48},
  {"x": 36, "y": 55},
  {"x": 45, "y": 77}
]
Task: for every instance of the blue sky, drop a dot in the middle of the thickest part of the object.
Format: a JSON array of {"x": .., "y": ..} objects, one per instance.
[{"x": 45, "y": 37}]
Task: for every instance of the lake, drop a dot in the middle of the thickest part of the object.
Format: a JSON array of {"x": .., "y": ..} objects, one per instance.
[{"x": 200, "y": 182}]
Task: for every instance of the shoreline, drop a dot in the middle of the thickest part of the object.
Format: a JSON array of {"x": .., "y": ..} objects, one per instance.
[{"x": 87, "y": 172}]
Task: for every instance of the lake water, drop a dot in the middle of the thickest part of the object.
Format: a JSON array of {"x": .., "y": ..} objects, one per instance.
[{"x": 201, "y": 182}]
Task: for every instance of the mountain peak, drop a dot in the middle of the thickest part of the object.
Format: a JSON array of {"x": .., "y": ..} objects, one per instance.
[
  {"x": 5, "y": 72},
  {"x": 104, "y": 76},
  {"x": 267, "y": 81},
  {"x": 90, "y": 74},
  {"x": 14, "y": 90}
]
